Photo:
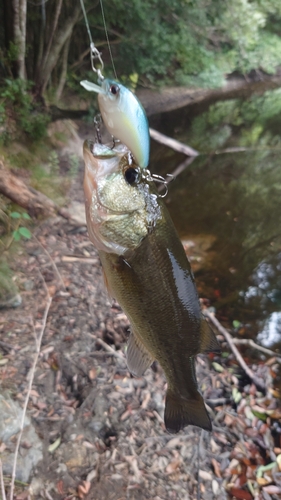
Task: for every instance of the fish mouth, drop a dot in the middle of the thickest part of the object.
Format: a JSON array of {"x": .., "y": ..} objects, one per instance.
[
  {"x": 92, "y": 87},
  {"x": 99, "y": 166}
]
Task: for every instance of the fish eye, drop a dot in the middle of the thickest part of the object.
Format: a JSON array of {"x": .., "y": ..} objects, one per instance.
[
  {"x": 114, "y": 89},
  {"x": 131, "y": 175}
]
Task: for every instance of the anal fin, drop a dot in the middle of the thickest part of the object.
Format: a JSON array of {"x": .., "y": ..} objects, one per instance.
[
  {"x": 208, "y": 339},
  {"x": 138, "y": 357}
]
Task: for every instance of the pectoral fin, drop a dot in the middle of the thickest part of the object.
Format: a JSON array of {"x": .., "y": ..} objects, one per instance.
[
  {"x": 208, "y": 339},
  {"x": 138, "y": 357}
]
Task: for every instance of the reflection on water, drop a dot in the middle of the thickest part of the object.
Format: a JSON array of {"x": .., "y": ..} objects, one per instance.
[
  {"x": 271, "y": 332},
  {"x": 228, "y": 207}
]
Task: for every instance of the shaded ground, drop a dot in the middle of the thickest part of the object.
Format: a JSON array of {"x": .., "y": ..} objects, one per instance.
[{"x": 102, "y": 431}]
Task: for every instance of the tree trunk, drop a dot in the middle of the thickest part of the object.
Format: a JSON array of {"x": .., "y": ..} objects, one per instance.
[
  {"x": 20, "y": 7},
  {"x": 55, "y": 24},
  {"x": 63, "y": 70},
  {"x": 172, "y": 98},
  {"x": 59, "y": 40}
]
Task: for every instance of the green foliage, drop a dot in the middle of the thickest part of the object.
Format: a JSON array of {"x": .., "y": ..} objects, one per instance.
[
  {"x": 7, "y": 285},
  {"x": 73, "y": 164},
  {"x": 20, "y": 231},
  {"x": 242, "y": 123},
  {"x": 164, "y": 42},
  {"x": 191, "y": 42},
  {"x": 19, "y": 114}
]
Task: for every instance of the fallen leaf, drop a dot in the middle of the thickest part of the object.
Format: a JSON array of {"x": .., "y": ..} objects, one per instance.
[
  {"x": 205, "y": 475},
  {"x": 60, "y": 487},
  {"x": 217, "y": 367},
  {"x": 52, "y": 290},
  {"x": 272, "y": 489},
  {"x": 173, "y": 466},
  {"x": 262, "y": 481},
  {"x": 83, "y": 489},
  {"x": 174, "y": 442},
  {"x": 215, "y": 487},
  {"x": 241, "y": 494},
  {"x": 54, "y": 445},
  {"x": 265, "y": 468},
  {"x": 216, "y": 466}
]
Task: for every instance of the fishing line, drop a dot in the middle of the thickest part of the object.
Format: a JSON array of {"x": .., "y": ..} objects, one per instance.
[
  {"x": 86, "y": 22},
  {"x": 107, "y": 39},
  {"x": 94, "y": 52}
]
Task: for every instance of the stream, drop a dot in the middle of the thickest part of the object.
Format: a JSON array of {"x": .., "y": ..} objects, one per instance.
[{"x": 226, "y": 206}]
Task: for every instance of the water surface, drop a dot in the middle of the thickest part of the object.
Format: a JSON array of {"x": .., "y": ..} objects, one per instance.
[{"x": 227, "y": 207}]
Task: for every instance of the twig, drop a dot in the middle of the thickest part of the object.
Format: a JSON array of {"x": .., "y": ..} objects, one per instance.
[
  {"x": 74, "y": 258},
  {"x": 2, "y": 482},
  {"x": 107, "y": 348},
  {"x": 52, "y": 261},
  {"x": 110, "y": 350},
  {"x": 172, "y": 143},
  {"x": 38, "y": 346},
  {"x": 234, "y": 349},
  {"x": 260, "y": 348},
  {"x": 178, "y": 170},
  {"x": 217, "y": 401}
]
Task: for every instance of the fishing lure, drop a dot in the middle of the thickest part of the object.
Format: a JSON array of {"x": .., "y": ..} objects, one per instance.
[{"x": 123, "y": 116}]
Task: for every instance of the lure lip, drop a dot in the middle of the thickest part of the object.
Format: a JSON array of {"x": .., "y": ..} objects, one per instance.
[{"x": 92, "y": 87}]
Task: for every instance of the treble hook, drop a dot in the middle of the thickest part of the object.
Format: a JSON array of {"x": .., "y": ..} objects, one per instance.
[
  {"x": 161, "y": 180},
  {"x": 146, "y": 174}
]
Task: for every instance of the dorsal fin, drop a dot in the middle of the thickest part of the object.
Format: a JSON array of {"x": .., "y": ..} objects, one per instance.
[{"x": 138, "y": 357}]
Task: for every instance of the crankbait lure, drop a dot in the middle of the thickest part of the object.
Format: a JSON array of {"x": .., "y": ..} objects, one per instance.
[{"x": 123, "y": 116}]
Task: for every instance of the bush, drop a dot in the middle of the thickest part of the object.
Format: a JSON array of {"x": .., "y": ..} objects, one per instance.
[{"x": 20, "y": 115}]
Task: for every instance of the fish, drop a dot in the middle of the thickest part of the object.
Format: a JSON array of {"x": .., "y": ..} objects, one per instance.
[
  {"x": 146, "y": 270},
  {"x": 124, "y": 117}
]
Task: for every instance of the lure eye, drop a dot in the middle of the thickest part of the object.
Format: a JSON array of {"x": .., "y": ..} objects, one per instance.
[
  {"x": 131, "y": 175},
  {"x": 114, "y": 89}
]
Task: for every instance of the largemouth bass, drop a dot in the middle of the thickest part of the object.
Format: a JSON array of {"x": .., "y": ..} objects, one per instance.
[
  {"x": 123, "y": 116},
  {"x": 148, "y": 273}
]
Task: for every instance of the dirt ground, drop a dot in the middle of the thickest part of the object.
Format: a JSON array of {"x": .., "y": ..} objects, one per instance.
[{"x": 101, "y": 430}]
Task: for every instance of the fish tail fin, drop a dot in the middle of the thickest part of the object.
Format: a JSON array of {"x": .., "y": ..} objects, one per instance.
[{"x": 180, "y": 412}]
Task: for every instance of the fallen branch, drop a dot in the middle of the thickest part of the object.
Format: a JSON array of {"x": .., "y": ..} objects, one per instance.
[
  {"x": 260, "y": 348},
  {"x": 14, "y": 188},
  {"x": 259, "y": 383},
  {"x": 34, "y": 202},
  {"x": 38, "y": 347},
  {"x": 172, "y": 143}
]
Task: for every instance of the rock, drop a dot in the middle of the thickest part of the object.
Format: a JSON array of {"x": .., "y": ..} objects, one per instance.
[
  {"x": 29, "y": 454},
  {"x": 14, "y": 301},
  {"x": 77, "y": 212}
]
